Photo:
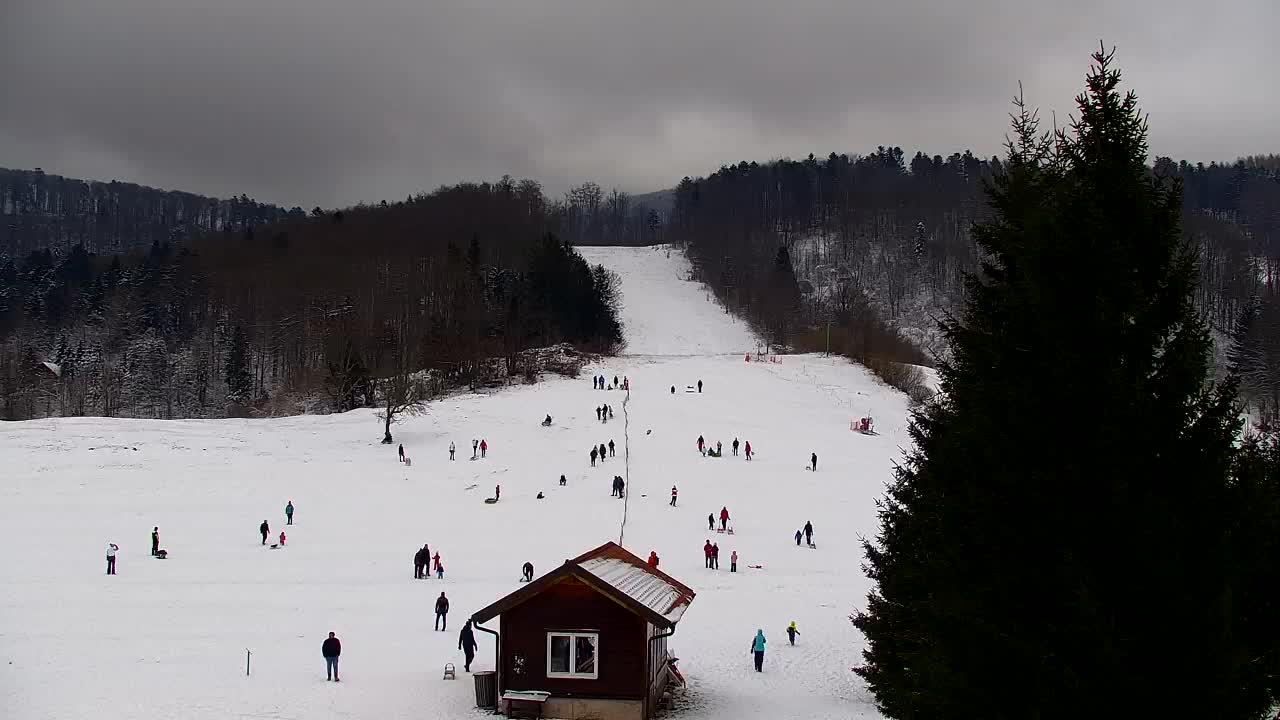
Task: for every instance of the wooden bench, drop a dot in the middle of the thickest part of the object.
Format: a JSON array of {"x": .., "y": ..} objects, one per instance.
[{"x": 525, "y": 703}]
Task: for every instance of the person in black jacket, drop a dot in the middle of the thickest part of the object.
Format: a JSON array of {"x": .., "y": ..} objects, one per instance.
[
  {"x": 265, "y": 530},
  {"x": 467, "y": 644},
  {"x": 610, "y": 448},
  {"x": 155, "y": 541},
  {"x": 442, "y": 611},
  {"x": 419, "y": 560},
  {"x": 331, "y": 649},
  {"x": 527, "y": 571}
]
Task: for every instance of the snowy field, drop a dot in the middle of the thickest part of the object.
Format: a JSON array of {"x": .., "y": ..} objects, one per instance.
[{"x": 167, "y": 639}]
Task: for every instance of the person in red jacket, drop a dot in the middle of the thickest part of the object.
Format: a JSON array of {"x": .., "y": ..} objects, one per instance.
[
  {"x": 747, "y": 449},
  {"x": 724, "y": 518},
  {"x": 483, "y": 447},
  {"x": 437, "y": 559},
  {"x": 281, "y": 538},
  {"x": 706, "y": 550},
  {"x": 653, "y": 558}
]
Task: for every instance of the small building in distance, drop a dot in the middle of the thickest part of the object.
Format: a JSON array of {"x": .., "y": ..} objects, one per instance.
[{"x": 592, "y": 633}]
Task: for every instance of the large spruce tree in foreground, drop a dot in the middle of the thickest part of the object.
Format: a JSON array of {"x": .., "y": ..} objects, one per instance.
[{"x": 1060, "y": 542}]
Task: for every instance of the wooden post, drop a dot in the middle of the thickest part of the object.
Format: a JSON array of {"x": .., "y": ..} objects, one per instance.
[{"x": 246, "y": 661}]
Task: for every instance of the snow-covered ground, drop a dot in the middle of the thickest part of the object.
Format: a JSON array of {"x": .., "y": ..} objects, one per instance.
[{"x": 167, "y": 639}]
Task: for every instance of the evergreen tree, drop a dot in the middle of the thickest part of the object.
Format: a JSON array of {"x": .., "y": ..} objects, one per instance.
[{"x": 1057, "y": 543}]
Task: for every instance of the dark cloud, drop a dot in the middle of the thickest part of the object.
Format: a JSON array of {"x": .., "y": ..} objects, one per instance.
[{"x": 331, "y": 102}]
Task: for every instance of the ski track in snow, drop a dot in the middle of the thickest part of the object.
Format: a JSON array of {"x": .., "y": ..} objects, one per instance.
[{"x": 167, "y": 639}]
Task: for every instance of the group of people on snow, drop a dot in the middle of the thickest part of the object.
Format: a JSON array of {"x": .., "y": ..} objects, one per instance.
[
  {"x": 807, "y": 532},
  {"x": 604, "y": 413},
  {"x": 600, "y": 452},
  {"x": 600, "y": 383},
  {"x": 422, "y": 564},
  {"x": 619, "y": 487},
  {"x": 718, "y": 451}
]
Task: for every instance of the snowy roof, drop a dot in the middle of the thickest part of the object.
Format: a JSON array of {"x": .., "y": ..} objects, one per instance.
[
  {"x": 646, "y": 588},
  {"x": 614, "y": 572}
]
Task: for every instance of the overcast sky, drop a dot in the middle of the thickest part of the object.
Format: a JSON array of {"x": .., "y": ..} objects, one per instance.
[{"x": 333, "y": 102}]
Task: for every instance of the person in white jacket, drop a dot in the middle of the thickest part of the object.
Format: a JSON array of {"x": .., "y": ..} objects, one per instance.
[{"x": 112, "y": 549}]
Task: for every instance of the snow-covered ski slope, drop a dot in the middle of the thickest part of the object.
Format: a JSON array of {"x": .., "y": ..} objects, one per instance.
[{"x": 167, "y": 639}]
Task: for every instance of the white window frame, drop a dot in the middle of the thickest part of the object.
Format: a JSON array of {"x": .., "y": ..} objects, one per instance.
[{"x": 573, "y": 651}]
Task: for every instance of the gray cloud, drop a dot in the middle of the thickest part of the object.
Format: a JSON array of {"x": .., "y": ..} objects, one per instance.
[{"x": 332, "y": 102}]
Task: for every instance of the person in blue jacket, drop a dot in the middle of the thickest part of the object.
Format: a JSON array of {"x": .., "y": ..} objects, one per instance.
[{"x": 757, "y": 648}]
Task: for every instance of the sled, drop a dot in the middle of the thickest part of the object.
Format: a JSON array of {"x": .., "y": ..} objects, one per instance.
[
  {"x": 470, "y": 487},
  {"x": 675, "y": 672},
  {"x": 275, "y": 546},
  {"x": 491, "y": 501},
  {"x": 755, "y": 567},
  {"x": 408, "y": 462},
  {"x": 450, "y": 673}
]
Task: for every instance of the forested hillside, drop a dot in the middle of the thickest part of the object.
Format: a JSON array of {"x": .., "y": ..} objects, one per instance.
[
  {"x": 372, "y": 305},
  {"x": 878, "y": 242}
]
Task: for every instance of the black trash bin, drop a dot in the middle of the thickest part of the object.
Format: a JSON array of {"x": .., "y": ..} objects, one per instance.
[{"x": 486, "y": 689}]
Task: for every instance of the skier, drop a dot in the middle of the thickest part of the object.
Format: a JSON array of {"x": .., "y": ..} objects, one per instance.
[
  {"x": 475, "y": 448},
  {"x": 562, "y": 481},
  {"x": 442, "y": 612},
  {"x": 706, "y": 551},
  {"x": 792, "y": 632},
  {"x": 746, "y": 448},
  {"x": 724, "y": 518},
  {"x": 467, "y": 644},
  {"x": 155, "y": 541},
  {"x": 673, "y": 496},
  {"x": 265, "y": 530},
  {"x": 419, "y": 560},
  {"x": 452, "y": 447},
  {"x": 483, "y": 447},
  {"x": 331, "y": 649},
  {"x": 808, "y": 533},
  {"x": 735, "y": 446},
  {"x": 715, "y": 556},
  {"x": 798, "y": 535},
  {"x": 653, "y": 559},
  {"x": 733, "y": 561},
  {"x": 594, "y": 452},
  {"x": 401, "y": 452},
  {"x": 112, "y": 549},
  {"x": 699, "y": 386},
  {"x": 281, "y": 538},
  {"x": 813, "y": 462},
  {"x": 711, "y": 521},
  {"x": 611, "y": 448},
  {"x": 700, "y": 443},
  {"x": 757, "y": 649},
  {"x": 288, "y": 513},
  {"x": 527, "y": 571}
]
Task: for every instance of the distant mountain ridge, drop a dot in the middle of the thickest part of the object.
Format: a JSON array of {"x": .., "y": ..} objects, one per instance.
[{"x": 42, "y": 211}]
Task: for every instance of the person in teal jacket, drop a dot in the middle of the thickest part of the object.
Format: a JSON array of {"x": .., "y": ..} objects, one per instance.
[
  {"x": 757, "y": 648},
  {"x": 288, "y": 513}
]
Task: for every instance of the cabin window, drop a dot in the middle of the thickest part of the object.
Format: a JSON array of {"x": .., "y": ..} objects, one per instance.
[{"x": 572, "y": 655}]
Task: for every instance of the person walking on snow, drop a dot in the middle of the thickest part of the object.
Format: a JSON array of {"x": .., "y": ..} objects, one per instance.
[
  {"x": 475, "y": 448},
  {"x": 700, "y": 443},
  {"x": 615, "y": 381},
  {"x": 527, "y": 572},
  {"x": 419, "y": 560},
  {"x": 798, "y": 534},
  {"x": 706, "y": 550},
  {"x": 288, "y": 513},
  {"x": 724, "y": 518},
  {"x": 483, "y": 447},
  {"x": 699, "y": 386},
  {"x": 733, "y": 561},
  {"x": 597, "y": 414},
  {"x": 757, "y": 649},
  {"x": 281, "y": 538},
  {"x": 331, "y": 649},
  {"x": 439, "y": 568},
  {"x": 711, "y": 521},
  {"x": 792, "y": 632},
  {"x": 442, "y": 612},
  {"x": 626, "y": 384},
  {"x": 609, "y": 408},
  {"x": 673, "y": 496},
  {"x": 808, "y": 533},
  {"x": 467, "y": 644},
  {"x": 593, "y": 455},
  {"x": 562, "y": 480},
  {"x": 735, "y": 446},
  {"x": 265, "y": 530},
  {"x": 602, "y": 451},
  {"x": 653, "y": 559},
  {"x": 437, "y": 559},
  {"x": 401, "y": 452},
  {"x": 451, "y": 449},
  {"x": 611, "y": 448},
  {"x": 112, "y": 549},
  {"x": 622, "y": 487},
  {"x": 155, "y": 541},
  {"x": 715, "y": 556},
  {"x": 746, "y": 448},
  {"x": 813, "y": 462}
]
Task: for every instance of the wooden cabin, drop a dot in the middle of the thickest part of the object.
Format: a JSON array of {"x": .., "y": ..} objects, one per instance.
[{"x": 591, "y": 635}]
